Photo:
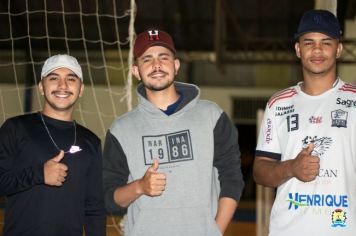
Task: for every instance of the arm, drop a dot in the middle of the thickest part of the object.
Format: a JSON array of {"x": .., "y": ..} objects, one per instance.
[
  {"x": 13, "y": 179},
  {"x": 272, "y": 173},
  {"x": 116, "y": 172},
  {"x": 226, "y": 210},
  {"x": 151, "y": 184},
  {"x": 95, "y": 215},
  {"x": 123, "y": 196},
  {"x": 228, "y": 163}
]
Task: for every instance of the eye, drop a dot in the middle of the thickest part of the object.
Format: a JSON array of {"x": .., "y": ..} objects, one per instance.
[
  {"x": 328, "y": 43},
  {"x": 53, "y": 78},
  {"x": 146, "y": 59},
  {"x": 71, "y": 78}
]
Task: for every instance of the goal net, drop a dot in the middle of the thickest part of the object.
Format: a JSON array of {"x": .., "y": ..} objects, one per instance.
[{"x": 97, "y": 33}]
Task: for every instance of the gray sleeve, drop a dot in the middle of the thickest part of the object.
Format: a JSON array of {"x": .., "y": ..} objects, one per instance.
[
  {"x": 227, "y": 158},
  {"x": 115, "y": 172}
]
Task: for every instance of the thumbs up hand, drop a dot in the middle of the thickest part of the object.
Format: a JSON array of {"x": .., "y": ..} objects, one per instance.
[
  {"x": 55, "y": 171},
  {"x": 153, "y": 183},
  {"x": 154, "y": 166},
  {"x": 306, "y": 167}
]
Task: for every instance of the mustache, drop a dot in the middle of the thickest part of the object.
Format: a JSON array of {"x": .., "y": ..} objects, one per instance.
[{"x": 157, "y": 71}]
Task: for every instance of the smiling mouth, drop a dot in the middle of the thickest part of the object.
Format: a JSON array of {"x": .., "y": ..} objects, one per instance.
[
  {"x": 317, "y": 60},
  {"x": 61, "y": 94},
  {"x": 156, "y": 74}
]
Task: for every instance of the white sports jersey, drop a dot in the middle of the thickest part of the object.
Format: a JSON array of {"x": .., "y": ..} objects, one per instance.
[{"x": 293, "y": 119}]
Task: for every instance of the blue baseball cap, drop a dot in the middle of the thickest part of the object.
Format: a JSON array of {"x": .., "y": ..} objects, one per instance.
[{"x": 321, "y": 21}]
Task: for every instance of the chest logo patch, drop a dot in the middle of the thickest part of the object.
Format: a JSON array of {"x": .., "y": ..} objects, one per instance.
[
  {"x": 338, "y": 218},
  {"x": 339, "y": 118},
  {"x": 168, "y": 148},
  {"x": 321, "y": 144}
]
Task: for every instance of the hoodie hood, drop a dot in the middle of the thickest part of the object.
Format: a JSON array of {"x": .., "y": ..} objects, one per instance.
[{"x": 190, "y": 92}]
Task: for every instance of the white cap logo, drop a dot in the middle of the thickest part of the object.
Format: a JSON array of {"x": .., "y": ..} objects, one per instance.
[{"x": 153, "y": 34}]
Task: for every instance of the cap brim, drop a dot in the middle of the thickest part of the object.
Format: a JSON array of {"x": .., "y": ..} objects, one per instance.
[
  {"x": 44, "y": 74},
  {"x": 298, "y": 35},
  {"x": 143, "y": 50}
]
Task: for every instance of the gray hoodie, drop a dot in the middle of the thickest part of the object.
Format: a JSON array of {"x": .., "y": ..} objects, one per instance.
[{"x": 194, "y": 146}]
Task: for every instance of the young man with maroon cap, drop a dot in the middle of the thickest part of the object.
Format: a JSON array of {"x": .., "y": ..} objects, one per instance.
[
  {"x": 50, "y": 166},
  {"x": 174, "y": 160},
  {"x": 307, "y": 143}
]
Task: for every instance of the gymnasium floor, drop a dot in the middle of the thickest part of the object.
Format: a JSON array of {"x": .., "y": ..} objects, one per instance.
[{"x": 242, "y": 225}]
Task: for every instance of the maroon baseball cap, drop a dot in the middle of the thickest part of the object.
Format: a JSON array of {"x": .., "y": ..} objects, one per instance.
[{"x": 152, "y": 37}]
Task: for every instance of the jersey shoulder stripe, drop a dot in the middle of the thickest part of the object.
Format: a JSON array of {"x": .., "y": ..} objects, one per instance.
[
  {"x": 284, "y": 94},
  {"x": 348, "y": 88}
]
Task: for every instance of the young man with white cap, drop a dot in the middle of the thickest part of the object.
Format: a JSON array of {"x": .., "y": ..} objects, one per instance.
[
  {"x": 307, "y": 142},
  {"x": 174, "y": 161},
  {"x": 50, "y": 166}
]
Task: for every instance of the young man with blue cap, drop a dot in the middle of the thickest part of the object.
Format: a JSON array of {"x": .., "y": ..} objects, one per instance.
[
  {"x": 307, "y": 142},
  {"x": 50, "y": 166},
  {"x": 174, "y": 161}
]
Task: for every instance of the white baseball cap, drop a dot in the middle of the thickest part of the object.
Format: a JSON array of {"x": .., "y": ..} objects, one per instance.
[{"x": 60, "y": 61}]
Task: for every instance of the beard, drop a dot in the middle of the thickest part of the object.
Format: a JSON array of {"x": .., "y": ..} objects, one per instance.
[
  {"x": 156, "y": 85},
  {"x": 55, "y": 107}
]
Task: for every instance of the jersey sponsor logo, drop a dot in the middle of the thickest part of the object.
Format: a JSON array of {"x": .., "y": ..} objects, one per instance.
[
  {"x": 328, "y": 173},
  {"x": 347, "y": 103},
  {"x": 321, "y": 181},
  {"x": 315, "y": 119},
  {"x": 168, "y": 148},
  {"x": 268, "y": 131},
  {"x": 339, "y": 118},
  {"x": 338, "y": 218},
  {"x": 321, "y": 144},
  {"x": 297, "y": 200},
  {"x": 283, "y": 110},
  {"x": 325, "y": 177}
]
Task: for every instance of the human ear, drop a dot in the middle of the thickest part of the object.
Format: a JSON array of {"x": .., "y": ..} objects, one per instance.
[
  {"x": 339, "y": 50},
  {"x": 297, "y": 49},
  {"x": 40, "y": 88}
]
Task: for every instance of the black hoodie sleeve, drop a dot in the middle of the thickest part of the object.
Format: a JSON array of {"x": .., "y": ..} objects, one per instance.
[
  {"x": 227, "y": 158},
  {"x": 115, "y": 171}
]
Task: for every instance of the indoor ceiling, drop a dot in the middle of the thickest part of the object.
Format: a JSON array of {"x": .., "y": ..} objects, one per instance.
[{"x": 198, "y": 25}]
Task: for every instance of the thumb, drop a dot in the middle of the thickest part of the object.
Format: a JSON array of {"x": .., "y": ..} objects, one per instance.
[
  {"x": 155, "y": 165},
  {"x": 309, "y": 149},
  {"x": 59, "y": 157}
]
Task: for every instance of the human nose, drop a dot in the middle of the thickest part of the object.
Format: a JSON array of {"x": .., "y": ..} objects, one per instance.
[
  {"x": 62, "y": 83},
  {"x": 156, "y": 64},
  {"x": 317, "y": 47}
]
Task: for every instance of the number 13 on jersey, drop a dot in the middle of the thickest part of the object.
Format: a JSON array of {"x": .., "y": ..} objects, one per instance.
[{"x": 293, "y": 122}]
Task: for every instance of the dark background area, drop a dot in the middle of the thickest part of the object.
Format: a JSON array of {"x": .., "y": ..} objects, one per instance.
[{"x": 195, "y": 25}]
